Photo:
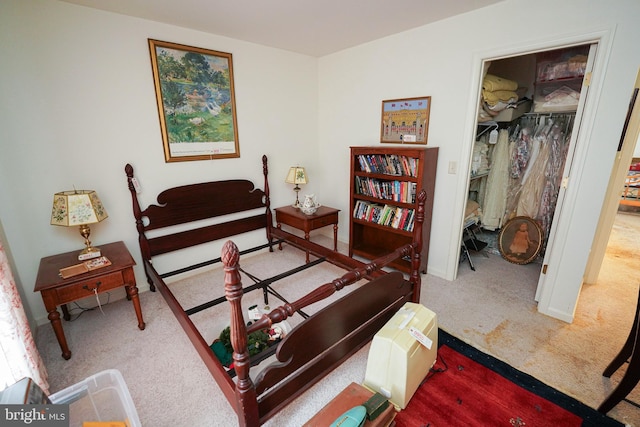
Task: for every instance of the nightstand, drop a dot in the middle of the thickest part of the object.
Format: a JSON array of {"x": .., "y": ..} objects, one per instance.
[
  {"x": 295, "y": 218},
  {"x": 57, "y": 291}
]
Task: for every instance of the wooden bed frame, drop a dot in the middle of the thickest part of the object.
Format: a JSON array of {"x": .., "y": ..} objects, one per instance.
[{"x": 339, "y": 329}]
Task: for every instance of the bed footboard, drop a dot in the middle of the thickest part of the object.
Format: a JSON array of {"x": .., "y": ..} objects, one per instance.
[
  {"x": 338, "y": 331},
  {"x": 321, "y": 343},
  {"x": 324, "y": 340}
]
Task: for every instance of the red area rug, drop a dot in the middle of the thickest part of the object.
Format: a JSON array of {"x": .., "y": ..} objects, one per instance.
[{"x": 484, "y": 392}]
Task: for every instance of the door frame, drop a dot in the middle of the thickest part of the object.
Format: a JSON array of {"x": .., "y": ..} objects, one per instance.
[
  {"x": 604, "y": 39},
  {"x": 628, "y": 142}
]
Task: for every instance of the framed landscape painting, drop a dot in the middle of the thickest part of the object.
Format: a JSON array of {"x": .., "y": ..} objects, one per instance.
[{"x": 196, "y": 102}]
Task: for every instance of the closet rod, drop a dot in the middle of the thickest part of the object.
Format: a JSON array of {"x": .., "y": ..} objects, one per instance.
[{"x": 489, "y": 126}]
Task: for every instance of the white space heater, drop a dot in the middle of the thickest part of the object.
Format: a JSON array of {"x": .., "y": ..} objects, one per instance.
[{"x": 402, "y": 353}]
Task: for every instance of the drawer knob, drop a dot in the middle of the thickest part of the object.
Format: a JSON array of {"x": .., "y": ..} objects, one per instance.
[{"x": 94, "y": 289}]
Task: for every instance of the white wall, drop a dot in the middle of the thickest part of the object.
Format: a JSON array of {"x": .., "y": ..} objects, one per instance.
[
  {"x": 78, "y": 103},
  {"x": 442, "y": 60}
]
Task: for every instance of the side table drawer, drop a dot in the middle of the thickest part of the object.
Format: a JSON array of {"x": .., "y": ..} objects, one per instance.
[
  {"x": 86, "y": 288},
  {"x": 290, "y": 220},
  {"x": 325, "y": 220}
]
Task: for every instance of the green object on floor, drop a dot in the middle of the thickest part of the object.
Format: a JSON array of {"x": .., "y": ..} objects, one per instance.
[
  {"x": 221, "y": 353},
  {"x": 257, "y": 342}
]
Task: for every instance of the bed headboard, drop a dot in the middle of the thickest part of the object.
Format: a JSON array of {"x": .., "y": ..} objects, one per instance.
[{"x": 194, "y": 202}]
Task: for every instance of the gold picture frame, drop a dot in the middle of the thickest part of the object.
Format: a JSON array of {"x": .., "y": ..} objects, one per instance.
[
  {"x": 520, "y": 240},
  {"x": 196, "y": 102},
  {"x": 405, "y": 121}
]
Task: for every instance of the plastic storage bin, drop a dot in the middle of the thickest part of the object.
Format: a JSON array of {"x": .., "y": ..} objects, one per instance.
[
  {"x": 101, "y": 397},
  {"x": 557, "y": 96}
]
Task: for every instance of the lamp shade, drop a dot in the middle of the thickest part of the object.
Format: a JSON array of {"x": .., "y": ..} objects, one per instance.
[
  {"x": 77, "y": 207},
  {"x": 296, "y": 175}
]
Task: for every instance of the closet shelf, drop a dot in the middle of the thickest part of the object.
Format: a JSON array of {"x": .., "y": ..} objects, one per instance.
[
  {"x": 510, "y": 114},
  {"x": 551, "y": 113}
]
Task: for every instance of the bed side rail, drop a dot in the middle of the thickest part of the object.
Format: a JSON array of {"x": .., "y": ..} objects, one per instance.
[
  {"x": 326, "y": 290},
  {"x": 372, "y": 269},
  {"x": 210, "y": 360}
]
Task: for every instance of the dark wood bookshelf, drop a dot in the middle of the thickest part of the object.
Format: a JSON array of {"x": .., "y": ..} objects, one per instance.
[{"x": 384, "y": 184}]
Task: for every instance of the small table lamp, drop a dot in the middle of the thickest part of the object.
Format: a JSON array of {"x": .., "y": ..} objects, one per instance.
[
  {"x": 296, "y": 176},
  {"x": 81, "y": 208}
]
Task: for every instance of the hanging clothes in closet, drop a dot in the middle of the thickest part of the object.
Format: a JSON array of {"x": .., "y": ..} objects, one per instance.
[
  {"x": 538, "y": 150},
  {"x": 495, "y": 199},
  {"x": 533, "y": 180}
]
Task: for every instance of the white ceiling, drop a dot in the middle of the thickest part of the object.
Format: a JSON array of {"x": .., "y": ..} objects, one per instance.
[{"x": 311, "y": 27}]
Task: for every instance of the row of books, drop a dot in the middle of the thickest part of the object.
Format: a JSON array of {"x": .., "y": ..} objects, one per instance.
[
  {"x": 390, "y": 164},
  {"x": 398, "y": 191},
  {"x": 391, "y": 216}
]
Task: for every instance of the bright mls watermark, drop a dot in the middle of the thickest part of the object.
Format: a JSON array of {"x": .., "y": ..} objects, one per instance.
[{"x": 34, "y": 415}]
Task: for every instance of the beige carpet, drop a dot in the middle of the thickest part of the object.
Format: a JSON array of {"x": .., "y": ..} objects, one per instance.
[{"x": 491, "y": 308}]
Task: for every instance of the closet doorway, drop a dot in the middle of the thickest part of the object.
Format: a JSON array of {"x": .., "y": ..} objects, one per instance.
[{"x": 523, "y": 149}]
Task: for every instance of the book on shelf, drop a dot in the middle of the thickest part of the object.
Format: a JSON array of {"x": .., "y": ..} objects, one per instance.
[
  {"x": 398, "y": 191},
  {"x": 409, "y": 224},
  {"x": 363, "y": 165},
  {"x": 388, "y": 164},
  {"x": 395, "y": 223},
  {"x": 403, "y": 219},
  {"x": 388, "y": 215}
]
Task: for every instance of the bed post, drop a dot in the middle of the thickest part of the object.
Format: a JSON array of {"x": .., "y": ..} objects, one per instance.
[
  {"x": 417, "y": 248},
  {"x": 267, "y": 202},
  {"x": 246, "y": 405},
  {"x": 137, "y": 213}
]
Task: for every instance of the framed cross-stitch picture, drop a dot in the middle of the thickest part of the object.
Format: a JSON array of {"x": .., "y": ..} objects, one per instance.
[{"x": 405, "y": 121}]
